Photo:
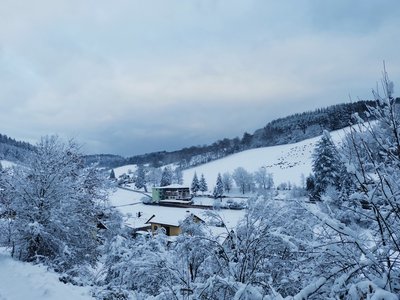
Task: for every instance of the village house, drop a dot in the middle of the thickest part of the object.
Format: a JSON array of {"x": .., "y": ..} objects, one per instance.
[
  {"x": 173, "y": 192},
  {"x": 171, "y": 224}
]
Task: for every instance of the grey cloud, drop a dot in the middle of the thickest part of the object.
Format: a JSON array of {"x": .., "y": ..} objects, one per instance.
[
  {"x": 146, "y": 76},
  {"x": 345, "y": 17}
]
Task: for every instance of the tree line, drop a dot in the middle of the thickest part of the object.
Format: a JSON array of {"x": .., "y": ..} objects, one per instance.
[
  {"x": 13, "y": 150},
  {"x": 245, "y": 181},
  {"x": 293, "y": 128}
]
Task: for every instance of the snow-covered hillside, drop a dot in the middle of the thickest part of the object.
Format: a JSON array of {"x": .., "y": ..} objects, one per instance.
[
  {"x": 6, "y": 163},
  {"x": 124, "y": 170},
  {"x": 285, "y": 162},
  {"x": 20, "y": 281}
]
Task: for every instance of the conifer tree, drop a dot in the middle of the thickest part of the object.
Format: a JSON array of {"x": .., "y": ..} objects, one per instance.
[
  {"x": 203, "y": 184},
  {"x": 219, "y": 187},
  {"x": 141, "y": 178},
  {"x": 195, "y": 187},
  {"x": 112, "y": 174},
  {"x": 328, "y": 167},
  {"x": 166, "y": 177}
]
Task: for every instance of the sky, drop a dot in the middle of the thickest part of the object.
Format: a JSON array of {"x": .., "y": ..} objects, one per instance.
[{"x": 129, "y": 77}]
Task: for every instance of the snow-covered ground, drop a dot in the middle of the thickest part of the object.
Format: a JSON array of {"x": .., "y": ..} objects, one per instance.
[
  {"x": 7, "y": 164},
  {"x": 285, "y": 162},
  {"x": 24, "y": 281},
  {"x": 137, "y": 214},
  {"x": 124, "y": 170},
  {"x": 20, "y": 280}
]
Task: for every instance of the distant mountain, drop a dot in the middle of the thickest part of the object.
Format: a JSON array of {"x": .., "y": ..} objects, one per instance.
[
  {"x": 12, "y": 150},
  {"x": 105, "y": 160},
  {"x": 290, "y": 129}
]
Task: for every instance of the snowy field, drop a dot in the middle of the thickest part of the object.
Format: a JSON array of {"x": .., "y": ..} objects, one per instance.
[
  {"x": 285, "y": 162},
  {"x": 24, "y": 281},
  {"x": 124, "y": 170},
  {"x": 7, "y": 164}
]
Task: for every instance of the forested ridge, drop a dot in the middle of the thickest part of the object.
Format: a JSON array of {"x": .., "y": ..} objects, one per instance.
[
  {"x": 290, "y": 129},
  {"x": 13, "y": 150}
]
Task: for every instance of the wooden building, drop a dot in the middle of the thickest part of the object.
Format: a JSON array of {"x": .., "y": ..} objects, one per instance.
[{"x": 171, "y": 224}]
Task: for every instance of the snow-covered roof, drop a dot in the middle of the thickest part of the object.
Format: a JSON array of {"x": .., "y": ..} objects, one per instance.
[
  {"x": 137, "y": 213},
  {"x": 172, "y": 186},
  {"x": 173, "y": 220}
]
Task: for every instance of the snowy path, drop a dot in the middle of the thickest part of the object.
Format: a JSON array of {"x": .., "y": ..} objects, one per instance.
[{"x": 22, "y": 281}]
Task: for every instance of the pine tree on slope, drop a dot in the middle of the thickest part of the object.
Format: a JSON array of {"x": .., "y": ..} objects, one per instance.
[
  {"x": 219, "y": 187},
  {"x": 166, "y": 177},
  {"x": 141, "y": 178},
  {"x": 195, "y": 187},
  {"x": 328, "y": 167},
  {"x": 203, "y": 184},
  {"x": 112, "y": 174}
]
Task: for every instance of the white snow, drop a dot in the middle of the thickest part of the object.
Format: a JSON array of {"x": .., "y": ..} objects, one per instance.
[
  {"x": 129, "y": 204},
  {"x": 20, "y": 281},
  {"x": 127, "y": 169},
  {"x": 7, "y": 164},
  {"x": 172, "y": 219},
  {"x": 285, "y": 162}
]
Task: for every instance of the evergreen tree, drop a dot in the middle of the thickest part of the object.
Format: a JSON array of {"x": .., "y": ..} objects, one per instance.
[
  {"x": 166, "y": 177},
  {"x": 112, "y": 174},
  {"x": 195, "y": 187},
  {"x": 141, "y": 178},
  {"x": 203, "y": 184},
  {"x": 328, "y": 167},
  {"x": 310, "y": 184},
  {"x": 362, "y": 231},
  {"x": 219, "y": 187}
]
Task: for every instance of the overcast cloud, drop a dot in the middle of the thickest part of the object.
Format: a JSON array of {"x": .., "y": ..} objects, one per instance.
[{"x": 129, "y": 77}]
